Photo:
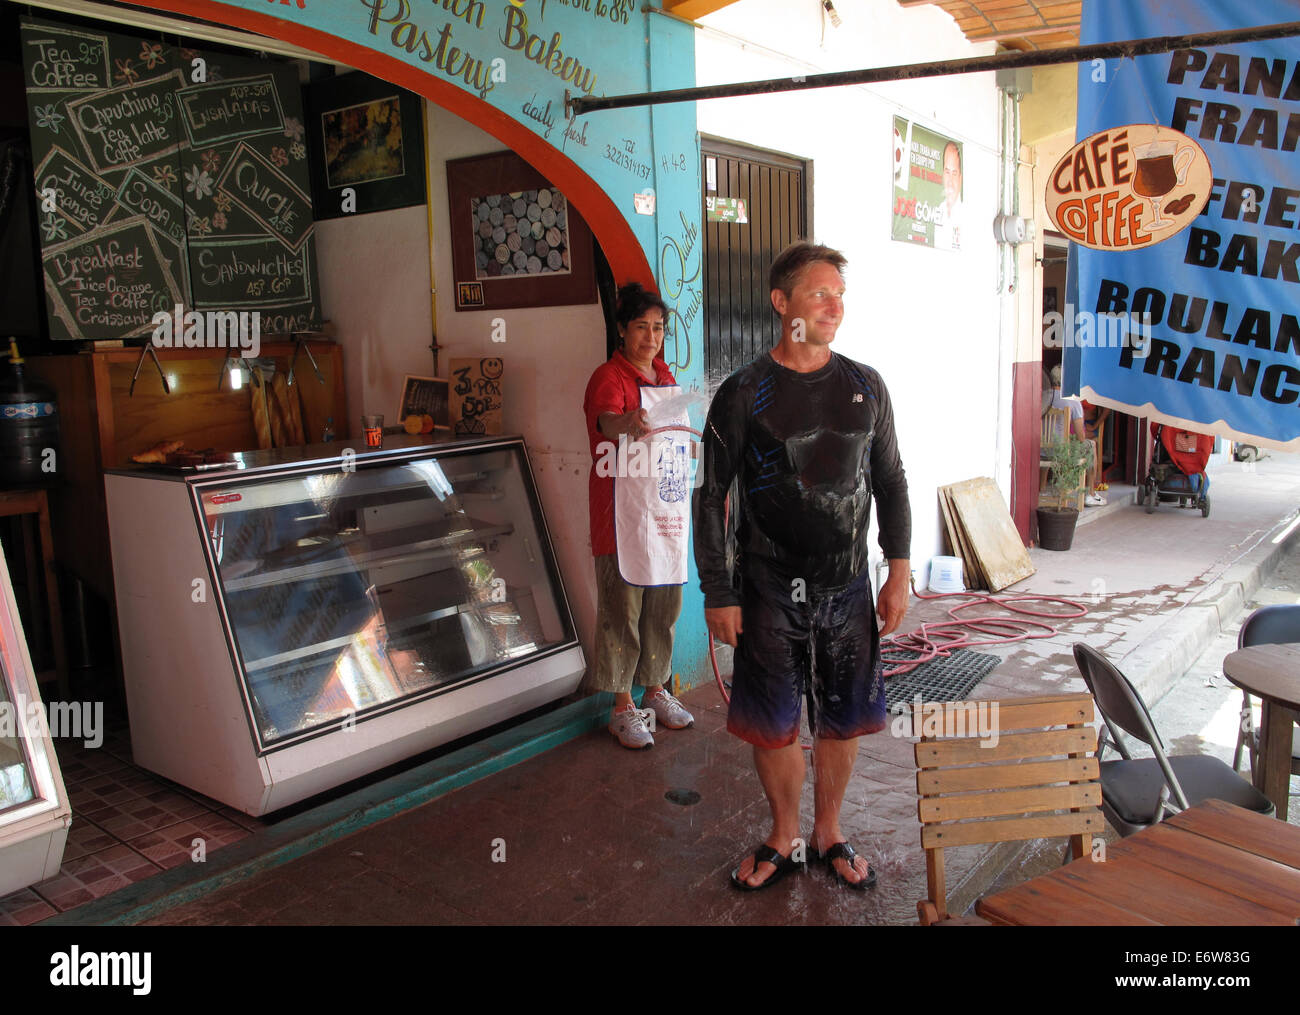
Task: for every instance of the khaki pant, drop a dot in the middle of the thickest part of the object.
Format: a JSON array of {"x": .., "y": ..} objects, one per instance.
[{"x": 634, "y": 631}]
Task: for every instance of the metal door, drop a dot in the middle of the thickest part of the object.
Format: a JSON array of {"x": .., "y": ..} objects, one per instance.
[{"x": 739, "y": 323}]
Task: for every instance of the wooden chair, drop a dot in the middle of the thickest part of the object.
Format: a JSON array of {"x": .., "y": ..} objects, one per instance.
[
  {"x": 1037, "y": 781},
  {"x": 1055, "y": 428},
  {"x": 1056, "y": 425}
]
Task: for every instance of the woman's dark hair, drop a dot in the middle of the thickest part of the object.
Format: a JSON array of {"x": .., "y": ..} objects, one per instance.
[{"x": 633, "y": 301}]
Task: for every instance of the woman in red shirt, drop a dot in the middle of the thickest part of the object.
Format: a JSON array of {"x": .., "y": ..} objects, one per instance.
[{"x": 639, "y": 505}]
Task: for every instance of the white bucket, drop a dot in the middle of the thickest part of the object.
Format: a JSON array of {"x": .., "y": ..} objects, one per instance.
[{"x": 945, "y": 575}]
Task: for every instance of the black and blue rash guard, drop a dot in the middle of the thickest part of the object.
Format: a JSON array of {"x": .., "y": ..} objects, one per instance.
[{"x": 809, "y": 450}]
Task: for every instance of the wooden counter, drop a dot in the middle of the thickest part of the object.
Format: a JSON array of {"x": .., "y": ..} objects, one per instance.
[{"x": 100, "y": 427}]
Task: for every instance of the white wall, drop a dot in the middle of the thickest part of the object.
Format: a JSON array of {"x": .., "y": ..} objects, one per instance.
[
  {"x": 927, "y": 319},
  {"x": 549, "y": 355},
  {"x": 374, "y": 272},
  {"x": 374, "y": 276}
]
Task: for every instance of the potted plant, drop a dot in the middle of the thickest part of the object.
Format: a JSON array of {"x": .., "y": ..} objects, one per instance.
[{"x": 1069, "y": 460}]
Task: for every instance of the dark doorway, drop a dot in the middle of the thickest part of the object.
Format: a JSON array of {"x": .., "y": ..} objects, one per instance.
[{"x": 739, "y": 323}]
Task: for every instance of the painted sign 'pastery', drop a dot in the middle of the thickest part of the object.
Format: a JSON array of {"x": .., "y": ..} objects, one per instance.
[{"x": 1128, "y": 187}]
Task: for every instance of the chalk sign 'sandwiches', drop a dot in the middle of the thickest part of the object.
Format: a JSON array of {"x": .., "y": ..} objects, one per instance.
[
  {"x": 1129, "y": 187},
  {"x": 254, "y": 271}
]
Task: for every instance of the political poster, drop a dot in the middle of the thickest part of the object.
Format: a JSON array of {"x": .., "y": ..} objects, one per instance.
[
  {"x": 927, "y": 204},
  {"x": 1182, "y": 206}
]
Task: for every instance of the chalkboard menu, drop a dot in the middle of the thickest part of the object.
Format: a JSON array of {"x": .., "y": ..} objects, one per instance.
[{"x": 166, "y": 176}]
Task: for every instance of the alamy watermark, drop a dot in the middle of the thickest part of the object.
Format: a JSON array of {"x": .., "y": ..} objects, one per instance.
[
  {"x": 77, "y": 968},
  {"x": 209, "y": 329},
  {"x": 933, "y": 719},
  {"x": 1085, "y": 329},
  {"x": 71, "y": 720},
  {"x": 671, "y": 462}
]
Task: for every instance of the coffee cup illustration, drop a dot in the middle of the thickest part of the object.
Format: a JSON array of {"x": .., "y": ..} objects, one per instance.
[{"x": 1161, "y": 166}]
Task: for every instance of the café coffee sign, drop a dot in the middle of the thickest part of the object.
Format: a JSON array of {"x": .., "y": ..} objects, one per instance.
[{"x": 1128, "y": 187}]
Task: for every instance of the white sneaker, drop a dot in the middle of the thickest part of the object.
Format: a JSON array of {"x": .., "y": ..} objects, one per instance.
[
  {"x": 632, "y": 727},
  {"x": 668, "y": 710},
  {"x": 1094, "y": 500}
]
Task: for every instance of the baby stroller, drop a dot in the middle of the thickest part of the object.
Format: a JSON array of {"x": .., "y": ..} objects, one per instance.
[{"x": 1178, "y": 459}]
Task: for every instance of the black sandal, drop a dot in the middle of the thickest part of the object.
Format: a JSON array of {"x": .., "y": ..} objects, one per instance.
[
  {"x": 766, "y": 854},
  {"x": 842, "y": 850}
]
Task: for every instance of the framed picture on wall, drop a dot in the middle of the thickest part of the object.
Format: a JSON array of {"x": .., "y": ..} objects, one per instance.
[
  {"x": 365, "y": 145},
  {"x": 426, "y": 397},
  {"x": 516, "y": 239}
]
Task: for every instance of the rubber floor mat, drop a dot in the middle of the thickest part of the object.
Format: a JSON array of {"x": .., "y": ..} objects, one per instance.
[{"x": 948, "y": 678}]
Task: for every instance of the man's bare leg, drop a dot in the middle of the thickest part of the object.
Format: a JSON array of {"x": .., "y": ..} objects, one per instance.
[
  {"x": 832, "y": 766},
  {"x": 781, "y": 771}
]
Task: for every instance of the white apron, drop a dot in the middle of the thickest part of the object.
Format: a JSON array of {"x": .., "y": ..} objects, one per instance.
[{"x": 652, "y": 499}]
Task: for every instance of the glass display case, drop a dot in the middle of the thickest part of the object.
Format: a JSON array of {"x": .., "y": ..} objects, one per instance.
[
  {"x": 367, "y": 604},
  {"x": 34, "y": 809}
]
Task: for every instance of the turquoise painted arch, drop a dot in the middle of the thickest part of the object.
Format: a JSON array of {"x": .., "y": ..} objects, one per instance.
[{"x": 607, "y": 223}]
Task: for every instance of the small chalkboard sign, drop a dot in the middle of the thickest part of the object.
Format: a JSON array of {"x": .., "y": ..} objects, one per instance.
[
  {"x": 476, "y": 395},
  {"x": 426, "y": 396}
]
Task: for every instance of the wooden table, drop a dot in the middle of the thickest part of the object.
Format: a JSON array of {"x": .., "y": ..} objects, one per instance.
[
  {"x": 1211, "y": 865},
  {"x": 1271, "y": 673}
]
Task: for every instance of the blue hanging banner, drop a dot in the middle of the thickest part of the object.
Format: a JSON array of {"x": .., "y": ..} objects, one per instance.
[{"x": 1185, "y": 276}]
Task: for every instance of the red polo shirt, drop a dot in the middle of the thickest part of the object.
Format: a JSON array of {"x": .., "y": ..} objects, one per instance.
[{"x": 614, "y": 387}]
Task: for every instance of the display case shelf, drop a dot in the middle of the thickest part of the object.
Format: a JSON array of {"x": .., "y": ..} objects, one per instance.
[{"x": 398, "y": 553}]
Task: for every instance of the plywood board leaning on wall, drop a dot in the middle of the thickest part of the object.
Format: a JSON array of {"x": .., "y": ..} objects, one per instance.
[
  {"x": 982, "y": 513},
  {"x": 958, "y": 542}
]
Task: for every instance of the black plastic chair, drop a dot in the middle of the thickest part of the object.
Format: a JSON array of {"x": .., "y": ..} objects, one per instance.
[
  {"x": 1139, "y": 792},
  {"x": 1269, "y": 625}
]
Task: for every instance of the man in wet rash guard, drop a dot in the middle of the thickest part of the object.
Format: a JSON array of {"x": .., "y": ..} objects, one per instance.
[{"x": 808, "y": 437}]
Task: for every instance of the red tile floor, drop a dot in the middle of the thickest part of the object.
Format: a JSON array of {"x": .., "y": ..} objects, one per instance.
[{"x": 127, "y": 825}]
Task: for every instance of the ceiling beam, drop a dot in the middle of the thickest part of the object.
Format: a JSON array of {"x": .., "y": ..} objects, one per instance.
[
  {"x": 693, "y": 10},
  {"x": 1020, "y": 33}
]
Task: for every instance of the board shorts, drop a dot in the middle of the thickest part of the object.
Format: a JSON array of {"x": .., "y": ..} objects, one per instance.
[{"x": 825, "y": 649}]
